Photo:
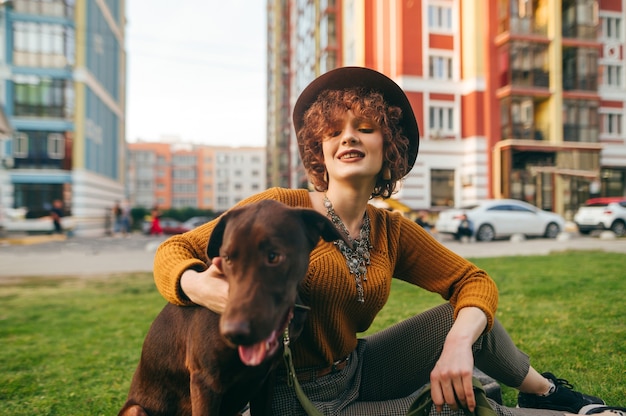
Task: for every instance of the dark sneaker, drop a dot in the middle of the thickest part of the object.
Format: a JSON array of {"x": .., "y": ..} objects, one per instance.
[
  {"x": 563, "y": 398},
  {"x": 594, "y": 409}
]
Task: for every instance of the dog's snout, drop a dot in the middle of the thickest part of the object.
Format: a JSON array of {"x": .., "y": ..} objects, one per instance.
[{"x": 237, "y": 332}]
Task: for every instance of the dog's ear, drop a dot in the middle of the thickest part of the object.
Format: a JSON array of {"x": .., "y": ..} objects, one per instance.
[
  {"x": 318, "y": 225},
  {"x": 215, "y": 241}
]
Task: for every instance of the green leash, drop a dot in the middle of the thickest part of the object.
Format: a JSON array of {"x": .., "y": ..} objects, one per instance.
[
  {"x": 422, "y": 405},
  {"x": 292, "y": 380}
]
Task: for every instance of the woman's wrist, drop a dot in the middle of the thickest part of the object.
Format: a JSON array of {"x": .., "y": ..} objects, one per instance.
[
  {"x": 188, "y": 283},
  {"x": 207, "y": 288}
]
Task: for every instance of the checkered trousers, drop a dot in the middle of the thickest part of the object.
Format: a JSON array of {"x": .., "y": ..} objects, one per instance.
[{"x": 386, "y": 371}]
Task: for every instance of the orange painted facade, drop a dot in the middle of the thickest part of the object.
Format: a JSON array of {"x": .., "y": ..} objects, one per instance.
[
  {"x": 472, "y": 114},
  {"x": 465, "y": 70},
  {"x": 501, "y": 90}
]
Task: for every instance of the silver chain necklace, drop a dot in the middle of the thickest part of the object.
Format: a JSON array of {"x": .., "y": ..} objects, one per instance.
[{"x": 358, "y": 253}]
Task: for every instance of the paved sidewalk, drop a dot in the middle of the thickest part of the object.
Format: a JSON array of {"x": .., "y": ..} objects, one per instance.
[
  {"x": 107, "y": 255},
  {"x": 78, "y": 256}
]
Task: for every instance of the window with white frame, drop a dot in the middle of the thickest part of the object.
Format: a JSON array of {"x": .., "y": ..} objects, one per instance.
[
  {"x": 440, "y": 16},
  {"x": 440, "y": 67},
  {"x": 20, "y": 145},
  {"x": 612, "y": 28},
  {"x": 612, "y": 75},
  {"x": 612, "y": 124},
  {"x": 441, "y": 119},
  {"x": 56, "y": 146}
]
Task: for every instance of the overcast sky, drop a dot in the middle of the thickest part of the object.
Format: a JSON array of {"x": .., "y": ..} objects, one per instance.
[{"x": 196, "y": 69}]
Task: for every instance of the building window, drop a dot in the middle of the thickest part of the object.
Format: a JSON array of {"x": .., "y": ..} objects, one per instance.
[
  {"x": 56, "y": 146},
  {"x": 579, "y": 19},
  {"x": 43, "y": 45},
  {"x": 580, "y": 69},
  {"x": 20, "y": 147},
  {"x": 58, "y": 8},
  {"x": 517, "y": 117},
  {"x": 442, "y": 187},
  {"x": 524, "y": 64},
  {"x": 612, "y": 124},
  {"x": 440, "y": 17},
  {"x": 39, "y": 149},
  {"x": 612, "y": 75},
  {"x": 580, "y": 121},
  {"x": 43, "y": 97},
  {"x": 441, "y": 120},
  {"x": 440, "y": 67},
  {"x": 612, "y": 28}
]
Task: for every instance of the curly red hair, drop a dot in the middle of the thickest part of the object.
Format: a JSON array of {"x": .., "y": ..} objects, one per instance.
[{"x": 328, "y": 109}]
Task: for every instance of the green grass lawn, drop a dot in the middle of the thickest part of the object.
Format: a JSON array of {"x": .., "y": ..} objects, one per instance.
[{"x": 70, "y": 346}]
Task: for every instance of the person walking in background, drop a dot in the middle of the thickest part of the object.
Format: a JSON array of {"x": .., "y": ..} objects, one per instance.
[
  {"x": 117, "y": 218},
  {"x": 121, "y": 216},
  {"x": 56, "y": 212},
  {"x": 155, "y": 227},
  {"x": 125, "y": 219}
]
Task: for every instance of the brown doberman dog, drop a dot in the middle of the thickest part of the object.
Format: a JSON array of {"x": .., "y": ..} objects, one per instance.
[{"x": 196, "y": 362}]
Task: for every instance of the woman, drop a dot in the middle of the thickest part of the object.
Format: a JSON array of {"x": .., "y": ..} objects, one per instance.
[{"x": 357, "y": 137}]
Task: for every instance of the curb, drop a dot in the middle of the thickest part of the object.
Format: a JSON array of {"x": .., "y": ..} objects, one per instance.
[{"x": 27, "y": 240}]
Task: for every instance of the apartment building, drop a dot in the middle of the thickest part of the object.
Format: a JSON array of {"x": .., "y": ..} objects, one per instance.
[
  {"x": 521, "y": 99},
  {"x": 63, "y": 89},
  {"x": 178, "y": 175}
]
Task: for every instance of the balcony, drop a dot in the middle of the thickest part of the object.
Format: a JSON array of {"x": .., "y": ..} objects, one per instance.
[
  {"x": 522, "y": 131},
  {"x": 40, "y": 160},
  {"x": 581, "y": 83},
  {"x": 55, "y": 8},
  {"x": 580, "y": 133},
  {"x": 529, "y": 78},
  {"x": 580, "y": 31},
  {"x": 525, "y": 26}
]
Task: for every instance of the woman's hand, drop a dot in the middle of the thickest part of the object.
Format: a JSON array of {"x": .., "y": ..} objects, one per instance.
[
  {"x": 208, "y": 288},
  {"x": 451, "y": 379}
]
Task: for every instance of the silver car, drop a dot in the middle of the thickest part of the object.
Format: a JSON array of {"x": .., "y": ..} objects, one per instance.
[{"x": 500, "y": 218}]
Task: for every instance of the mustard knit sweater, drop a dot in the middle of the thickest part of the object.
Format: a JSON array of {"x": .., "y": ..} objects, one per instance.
[{"x": 401, "y": 249}]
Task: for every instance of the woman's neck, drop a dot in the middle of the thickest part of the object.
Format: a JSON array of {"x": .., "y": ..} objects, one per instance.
[{"x": 348, "y": 204}]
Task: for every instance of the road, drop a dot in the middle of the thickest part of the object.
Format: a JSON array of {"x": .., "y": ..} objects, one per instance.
[{"x": 79, "y": 256}]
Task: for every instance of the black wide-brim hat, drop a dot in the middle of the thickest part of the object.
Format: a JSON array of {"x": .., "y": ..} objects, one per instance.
[{"x": 357, "y": 77}]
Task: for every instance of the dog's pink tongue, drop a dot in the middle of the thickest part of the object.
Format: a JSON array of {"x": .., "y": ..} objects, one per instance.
[{"x": 252, "y": 355}]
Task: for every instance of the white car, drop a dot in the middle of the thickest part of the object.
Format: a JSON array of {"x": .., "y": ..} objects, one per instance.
[
  {"x": 498, "y": 218},
  {"x": 602, "y": 214}
]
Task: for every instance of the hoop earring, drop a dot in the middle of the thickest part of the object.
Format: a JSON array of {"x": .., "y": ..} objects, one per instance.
[
  {"x": 386, "y": 173},
  {"x": 326, "y": 177}
]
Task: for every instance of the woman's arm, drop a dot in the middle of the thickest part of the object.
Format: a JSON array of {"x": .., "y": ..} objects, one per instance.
[
  {"x": 208, "y": 288},
  {"x": 451, "y": 379},
  {"x": 425, "y": 262},
  {"x": 182, "y": 270},
  {"x": 180, "y": 254}
]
